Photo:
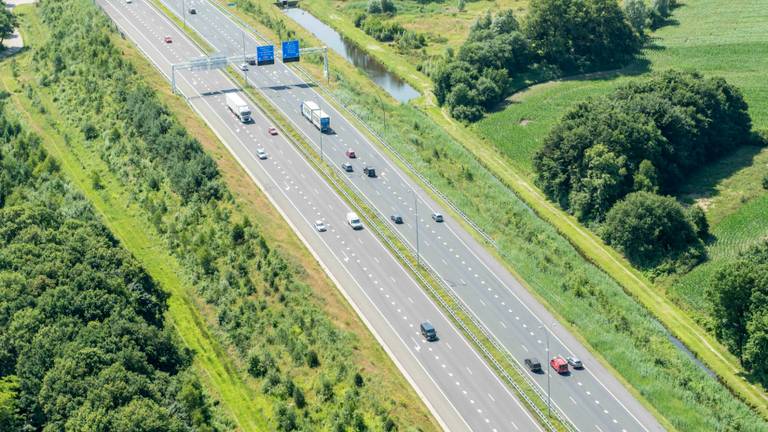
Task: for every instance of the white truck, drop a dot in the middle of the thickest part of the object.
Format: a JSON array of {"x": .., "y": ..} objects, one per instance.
[
  {"x": 237, "y": 105},
  {"x": 312, "y": 112}
]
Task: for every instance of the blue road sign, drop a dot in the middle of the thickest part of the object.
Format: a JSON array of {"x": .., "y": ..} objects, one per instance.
[
  {"x": 265, "y": 55},
  {"x": 290, "y": 51}
]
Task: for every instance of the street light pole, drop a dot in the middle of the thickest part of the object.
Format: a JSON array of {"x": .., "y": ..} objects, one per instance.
[
  {"x": 549, "y": 400},
  {"x": 320, "y": 129},
  {"x": 416, "y": 209},
  {"x": 184, "y": 12}
]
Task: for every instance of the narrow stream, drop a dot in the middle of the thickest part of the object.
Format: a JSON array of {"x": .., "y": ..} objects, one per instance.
[{"x": 395, "y": 86}]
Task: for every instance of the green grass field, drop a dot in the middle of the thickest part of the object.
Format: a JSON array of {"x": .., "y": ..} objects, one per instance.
[{"x": 715, "y": 37}]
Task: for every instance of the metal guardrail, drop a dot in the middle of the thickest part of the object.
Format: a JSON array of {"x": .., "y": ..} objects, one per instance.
[
  {"x": 308, "y": 78},
  {"x": 353, "y": 201}
]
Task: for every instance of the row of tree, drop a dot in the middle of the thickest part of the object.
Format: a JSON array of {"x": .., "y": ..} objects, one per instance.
[
  {"x": 647, "y": 136},
  {"x": 83, "y": 345},
  {"x": 302, "y": 361},
  {"x": 739, "y": 296},
  {"x": 558, "y": 37}
]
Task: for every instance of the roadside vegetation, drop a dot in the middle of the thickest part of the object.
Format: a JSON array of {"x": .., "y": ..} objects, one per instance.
[
  {"x": 83, "y": 339},
  {"x": 621, "y": 331},
  {"x": 304, "y": 367},
  {"x": 557, "y": 38},
  {"x": 647, "y": 136}
]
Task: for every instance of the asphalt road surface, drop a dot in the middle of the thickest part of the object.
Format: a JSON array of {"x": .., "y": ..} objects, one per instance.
[
  {"x": 592, "y": 398},
  {"x": 454, "y": 382}
]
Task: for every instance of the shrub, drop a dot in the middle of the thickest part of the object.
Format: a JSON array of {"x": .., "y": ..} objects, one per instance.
[
  {"x": 765, "y": 182},
  {"x": 581, "y": 35},
  {"x": 738, "y": 292},
  {"x": 650, "y": 229}
]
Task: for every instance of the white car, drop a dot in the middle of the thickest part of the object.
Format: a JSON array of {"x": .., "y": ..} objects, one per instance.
[
  {"x": 320, "y": 226},
  {"x": 261, "y": 153},
  {"x": 244, "y": 67},
  {"x": 354, "y": 221}
]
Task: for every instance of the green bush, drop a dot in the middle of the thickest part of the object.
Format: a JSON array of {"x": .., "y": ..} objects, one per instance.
[
  {"x": 739, "y": 298},
  {"x": 650, "y": 229}
]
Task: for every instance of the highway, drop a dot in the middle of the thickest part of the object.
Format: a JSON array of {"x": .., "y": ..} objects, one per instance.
[
  {"x": 592, "y": 398},
  {"x": 454, "y": 382}
]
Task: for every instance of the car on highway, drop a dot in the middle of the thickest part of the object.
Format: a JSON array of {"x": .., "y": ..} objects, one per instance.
[
  {"x": 559, "y": 364},
  {"x": 252, "y": 62},
  {"x": 320, "y": 226},
  {"x": 193, "y": 11},
  {"x": 272, "y": 130},
  {"x": 168, "y": 39},
  {"x": 575, "y": 362},
  {"x": 261, "y": 153},
  {"x": 437, "y": 217},
  {"x": 350, "y": 154},
  {"x": 396, "y": 218},
  {"x": 129, "y": 1},
  {"x": 346, "y": 166},
  {"x": 244, "y": 67},
  {"x": 533, "y": 364},
  {"x": 369, "y": 171},
  {"x": 354, "y": 221},
  {"x": 428, "y": 331}
]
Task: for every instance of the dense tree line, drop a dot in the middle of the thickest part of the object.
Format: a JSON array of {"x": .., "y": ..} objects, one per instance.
[
  {"x": 272, "y": 319},
  {"x": 739, "y": 295},
  {"x": 558, "y": 37},
  {"x": 647, "y": 136},
  {"x": 83, "y": 345}
]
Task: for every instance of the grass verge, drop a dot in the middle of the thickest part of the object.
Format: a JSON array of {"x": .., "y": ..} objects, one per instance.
[
  {"x": 515, "y": 175},
  {"x": 216, "y": 363},
  {"x": 237, "y": 399}
]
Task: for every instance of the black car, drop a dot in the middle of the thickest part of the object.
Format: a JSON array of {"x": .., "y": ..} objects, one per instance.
[
  {"x": 396, "y": 218},
  {"x": 533, "y": 364},
  {"x": 347, "y": 167},
  {"x": 428, "y": 331},
  {"x": 369, "y": 171},
  {"x": 193, "y": 11}
]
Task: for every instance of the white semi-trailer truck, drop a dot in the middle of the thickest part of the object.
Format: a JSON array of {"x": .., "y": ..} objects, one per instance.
[
  {"x": 237, "y": 105},
  {"x": 318, "y": 117}
]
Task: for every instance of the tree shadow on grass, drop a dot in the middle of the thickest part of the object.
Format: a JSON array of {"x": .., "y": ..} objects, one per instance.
[
  {"x": 702, "y": 185},
  {"x": 639, "y": 66}
]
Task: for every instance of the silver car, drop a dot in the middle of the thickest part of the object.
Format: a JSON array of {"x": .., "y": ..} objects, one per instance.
[
  {"x": 261, "y": 153},
  {"x": 575, "y": 362},
  {"x": 320, "y": 226}
]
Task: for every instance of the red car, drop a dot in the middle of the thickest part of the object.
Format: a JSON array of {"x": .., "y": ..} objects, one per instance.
[
  {"x": 351, "y": 154},
  {"x": 168, "y": 39},
  {"x": 272, "y": 131},
  {"x": 559, "y": 365}
]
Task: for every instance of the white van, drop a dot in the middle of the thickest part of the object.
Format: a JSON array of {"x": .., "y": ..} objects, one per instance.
[{"x": 354, "y": 221}]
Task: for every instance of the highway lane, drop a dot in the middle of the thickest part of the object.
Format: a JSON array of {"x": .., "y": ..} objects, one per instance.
[
  {"x": 453, "y": 380},
  {"x": 592, "y": 398}
]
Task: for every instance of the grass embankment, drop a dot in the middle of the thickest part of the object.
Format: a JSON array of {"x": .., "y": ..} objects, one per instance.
[
  {"x": 130, "y": 225},
  {"x": 551, "y": 261},
  {"x": 716, "y": 38},
  {"x": 217, "y": 363}
]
